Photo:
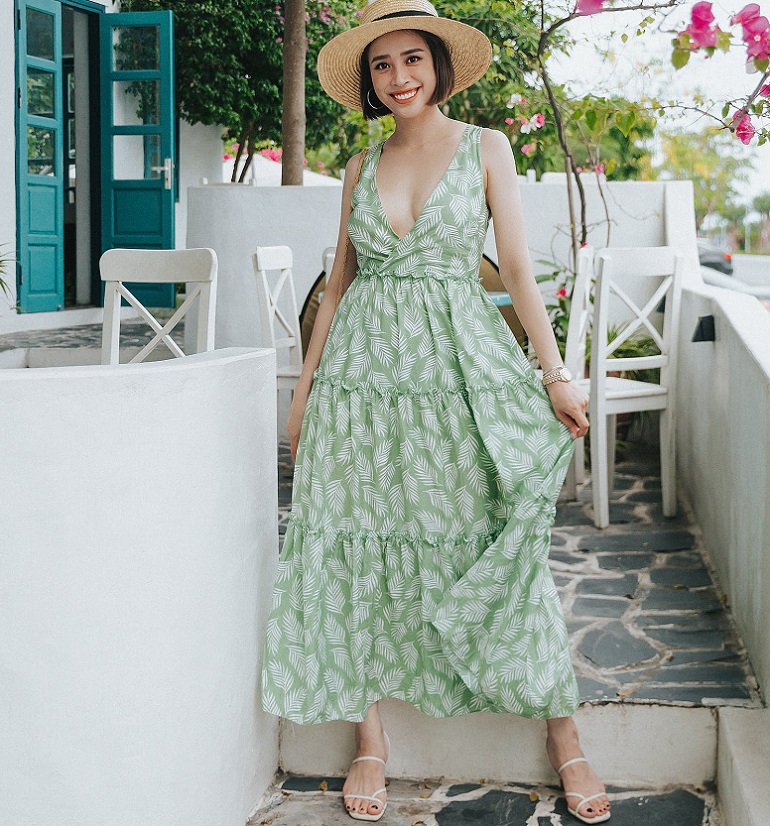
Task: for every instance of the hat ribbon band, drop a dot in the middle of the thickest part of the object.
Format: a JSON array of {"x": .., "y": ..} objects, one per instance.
[{"x": 404, "y": 14}]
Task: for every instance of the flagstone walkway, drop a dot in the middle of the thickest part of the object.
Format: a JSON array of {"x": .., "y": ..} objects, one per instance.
[{"x": 316, "y": 801}]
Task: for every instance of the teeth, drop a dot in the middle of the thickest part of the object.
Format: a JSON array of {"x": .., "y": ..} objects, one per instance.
[{"x": 405, "y": 95}]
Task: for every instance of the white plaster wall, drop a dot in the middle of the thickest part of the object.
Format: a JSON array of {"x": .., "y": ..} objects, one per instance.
[
  {"x": 7, "y": 150},
  {"x": 234, "y": 220},
  {"x": 200, "y": 156},
  {"x": 724, "y": 451},
  {"x": 139, "y": 545}
]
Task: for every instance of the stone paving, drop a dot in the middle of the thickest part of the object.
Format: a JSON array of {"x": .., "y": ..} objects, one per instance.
[
  {"x": 133, "y": 333},
  {"x": 317, "y": 801}
]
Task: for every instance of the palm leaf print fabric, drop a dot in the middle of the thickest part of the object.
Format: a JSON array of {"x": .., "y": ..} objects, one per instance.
[{"x": 415, "y": 559}]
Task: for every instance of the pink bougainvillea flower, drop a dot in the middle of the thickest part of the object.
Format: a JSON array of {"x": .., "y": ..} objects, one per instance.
[
  {"x": 588, "y": 6},
  {"x": 578, "y": 169},
  {"x": 227, "y": 156},
  {"x": 236, "y": 146},
  {"x": 744, "y": 129},
  {"x": 320, "y": 164},
  {"x": 562, "y": 293},
  {"x": 765, "y": 91},
  {"x": 599, "y": 169},
  {"x": 526, "y": 126},
  {"x": 539, "y": 120},
  {"x": 515, "y": 100},
  {"x": 304, "y": 162},
  {"x": 703, "y": 33},
  {"x": 746, "y": 13},
  {"x": 702, "y": 15},
  {"x": 528, "y": 148},
  {"x": 509, "y": 121}
]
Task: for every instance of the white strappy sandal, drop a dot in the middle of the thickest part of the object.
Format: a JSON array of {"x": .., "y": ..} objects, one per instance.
[
  {"x": 372, "y": 797},
  {"x": 583, "y": 799}
]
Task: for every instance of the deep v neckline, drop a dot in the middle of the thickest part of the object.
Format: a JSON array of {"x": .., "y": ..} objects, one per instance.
[{"x": 430, "y": 197}]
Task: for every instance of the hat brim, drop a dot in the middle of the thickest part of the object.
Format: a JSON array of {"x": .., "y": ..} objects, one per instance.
[{"x": 339, "y": 61}]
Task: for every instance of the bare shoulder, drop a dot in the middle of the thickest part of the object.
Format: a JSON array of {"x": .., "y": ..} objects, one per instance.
[
  {"x": 351, "y": 169},
  {"x": 495, "y": 144}
]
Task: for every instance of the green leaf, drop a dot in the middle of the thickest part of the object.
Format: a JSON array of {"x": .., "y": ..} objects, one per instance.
[
  {"x": 680, "y": 58},
  {"x": 591, "y": 118},
  {"x": 723, "y": 41},
  {"x": 625, "y": 122},
  {"x": 725, "y": 110},
  {"x": 624, "y": 37}
]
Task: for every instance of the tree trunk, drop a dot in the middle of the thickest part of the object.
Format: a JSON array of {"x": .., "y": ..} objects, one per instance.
[{"x": 293, "y": 123}]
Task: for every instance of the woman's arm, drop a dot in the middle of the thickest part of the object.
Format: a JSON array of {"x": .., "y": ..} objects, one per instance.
[
  {"x": 502, "y": 191},
  {"x": 326, "y": 308}
]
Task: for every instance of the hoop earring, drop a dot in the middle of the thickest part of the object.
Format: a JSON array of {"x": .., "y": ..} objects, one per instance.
[{"x": 368, "y": 100}]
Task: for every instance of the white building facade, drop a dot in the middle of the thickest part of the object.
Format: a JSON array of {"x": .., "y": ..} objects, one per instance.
[{"x": 92, "y": 155}]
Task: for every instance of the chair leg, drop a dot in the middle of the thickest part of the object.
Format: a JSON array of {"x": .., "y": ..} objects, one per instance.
[
  {"x": 599, "y": 472},
  {"x": 668, "y": 461},
  {"x": 612, "y": 436}
]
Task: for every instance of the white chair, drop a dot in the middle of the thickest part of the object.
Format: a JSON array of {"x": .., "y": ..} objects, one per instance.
[
  {"x": 580, "y": 318},
  {"x": 197, "y": 267},
  {"x": 327, "y": 259},
  {"x": 268, "y": 259},
  {"x": 622, "y": 275}
]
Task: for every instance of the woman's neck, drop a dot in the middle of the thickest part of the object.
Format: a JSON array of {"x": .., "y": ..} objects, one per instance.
[{"x": 423, "y": 130}]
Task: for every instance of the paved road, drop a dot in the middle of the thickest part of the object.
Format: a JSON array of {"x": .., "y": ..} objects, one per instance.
[{"x": 753, "y": 269}]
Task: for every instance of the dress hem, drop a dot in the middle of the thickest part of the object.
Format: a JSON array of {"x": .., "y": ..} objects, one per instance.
[{"x": 567, "y": 711}]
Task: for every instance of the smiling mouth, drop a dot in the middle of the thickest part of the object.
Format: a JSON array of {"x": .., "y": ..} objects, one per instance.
[{"x": 404, "y": 97}]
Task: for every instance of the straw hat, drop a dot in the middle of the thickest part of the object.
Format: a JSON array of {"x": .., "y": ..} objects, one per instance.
[{"x": 339, "y": 61}]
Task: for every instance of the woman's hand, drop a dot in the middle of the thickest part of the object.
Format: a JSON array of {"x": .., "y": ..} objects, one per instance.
[
  {"x": 296, "y": 415},
  {"x": 570, "y": 403}
]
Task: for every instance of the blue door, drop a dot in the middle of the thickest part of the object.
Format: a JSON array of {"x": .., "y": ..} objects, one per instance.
[
  {"x": 40, "y": 157},
  {"x": 138, "y": 120}
]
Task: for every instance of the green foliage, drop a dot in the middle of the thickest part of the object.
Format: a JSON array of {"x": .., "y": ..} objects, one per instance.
[
  {"x": 713, "y": 162},
  {"x": 612, "y": 132},
  {"x": 5, "y": 262},
  {"x": 762, "y": 204},
  {"x": 229, "y": 64},
  {"x": 559, "y": 304}
]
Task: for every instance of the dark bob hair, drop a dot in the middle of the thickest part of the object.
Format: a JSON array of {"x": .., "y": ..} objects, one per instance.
[{"x": 442, "y": 63}]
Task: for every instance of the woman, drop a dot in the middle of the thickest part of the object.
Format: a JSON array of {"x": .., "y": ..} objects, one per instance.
[{"x": 429, "y": 454}]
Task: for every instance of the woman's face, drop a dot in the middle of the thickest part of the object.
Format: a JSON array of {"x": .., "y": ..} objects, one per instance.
[{"x": 403, "y": 74}]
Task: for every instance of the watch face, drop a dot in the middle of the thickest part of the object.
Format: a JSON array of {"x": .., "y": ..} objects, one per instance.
[{"x": 566, "y": 375}]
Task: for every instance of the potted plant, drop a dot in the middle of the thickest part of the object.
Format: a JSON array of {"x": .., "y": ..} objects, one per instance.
[{"x": 5, "y": 261}]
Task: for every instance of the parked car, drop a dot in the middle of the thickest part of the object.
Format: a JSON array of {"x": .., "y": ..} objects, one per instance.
[{"x": 718, "y": 258}]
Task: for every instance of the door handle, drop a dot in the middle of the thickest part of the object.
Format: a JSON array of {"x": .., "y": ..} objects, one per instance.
[{"x": 168, "y": 172}]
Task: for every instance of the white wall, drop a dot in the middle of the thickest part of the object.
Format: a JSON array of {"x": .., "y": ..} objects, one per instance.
[
  {"x": 139, "y": 544},
  {"x": 234, "y": 220},
  {"x": 200, "y": 156},
  {"x": 7, "y": 148},
  {"x": 724, "y": 450}
]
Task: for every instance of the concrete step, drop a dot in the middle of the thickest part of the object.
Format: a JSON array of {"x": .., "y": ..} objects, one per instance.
[
  {"x": 629, "y": 745},
  {"x": 744, "y": 766}
]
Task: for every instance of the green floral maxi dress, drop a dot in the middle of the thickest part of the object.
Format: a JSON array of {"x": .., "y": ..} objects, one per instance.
[{"x": 415, "y": 559}]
